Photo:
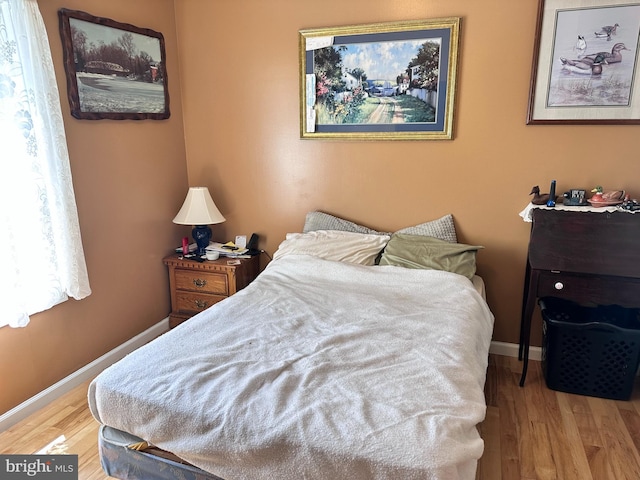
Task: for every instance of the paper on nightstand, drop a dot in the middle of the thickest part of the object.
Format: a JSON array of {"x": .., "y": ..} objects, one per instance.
[{"x": 227, "y": 249}]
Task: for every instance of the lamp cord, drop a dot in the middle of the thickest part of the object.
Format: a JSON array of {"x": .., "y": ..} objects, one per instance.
[{"x": 268, "y": 256}]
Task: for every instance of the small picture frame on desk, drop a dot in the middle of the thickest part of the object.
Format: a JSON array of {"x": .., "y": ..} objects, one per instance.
[{"x": 575, "y": 198}]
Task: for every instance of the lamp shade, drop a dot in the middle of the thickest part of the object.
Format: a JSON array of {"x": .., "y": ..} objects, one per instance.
[{"x": 198, "y": 209}]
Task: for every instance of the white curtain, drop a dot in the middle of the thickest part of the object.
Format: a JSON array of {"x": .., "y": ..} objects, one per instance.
[{"x": 42, "y": 260}]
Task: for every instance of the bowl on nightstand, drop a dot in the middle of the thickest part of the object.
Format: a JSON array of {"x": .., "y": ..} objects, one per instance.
[{"x": 211, "y": 255}]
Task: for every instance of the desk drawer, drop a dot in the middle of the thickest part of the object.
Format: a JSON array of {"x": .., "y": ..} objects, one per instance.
[
  {"x": 590, "y": 289},
  {"x": 201, "y": 281},
  {"x": 188, "y": 302},
  {"x": 586, "y": 242}
]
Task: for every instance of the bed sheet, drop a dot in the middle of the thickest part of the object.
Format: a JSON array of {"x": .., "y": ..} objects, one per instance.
[{"x": 317, "y": 369}]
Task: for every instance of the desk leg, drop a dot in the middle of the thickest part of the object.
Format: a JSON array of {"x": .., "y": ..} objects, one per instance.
[
  {"x": 525, "y": 333},
  {"x": 525, "y": 297}
]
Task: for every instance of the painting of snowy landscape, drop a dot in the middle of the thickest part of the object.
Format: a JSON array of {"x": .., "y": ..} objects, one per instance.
[{"x": 114, "y": 70}]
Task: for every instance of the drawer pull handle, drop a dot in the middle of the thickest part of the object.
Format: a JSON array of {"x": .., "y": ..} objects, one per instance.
[
  {"x": 199, "y": 282},
  {"x": 200, "y": 304},
  {"x": 559, "y": 285}
]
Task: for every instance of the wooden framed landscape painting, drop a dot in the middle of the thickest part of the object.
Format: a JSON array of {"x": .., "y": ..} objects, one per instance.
[
  {"x": 585, "y": 63},
  {"x": 114, "y": 70},
  {"x": 385, "y": 81}
]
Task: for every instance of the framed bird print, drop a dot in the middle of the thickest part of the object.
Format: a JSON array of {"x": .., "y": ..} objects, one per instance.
[{"x": 586, "y": 63}]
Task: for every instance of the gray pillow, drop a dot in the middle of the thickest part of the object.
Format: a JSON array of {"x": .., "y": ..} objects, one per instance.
[
  {"x": 323, "y": 221},
  {"x": 442, "y": 228},
  {"x": 415, "y": 251}
]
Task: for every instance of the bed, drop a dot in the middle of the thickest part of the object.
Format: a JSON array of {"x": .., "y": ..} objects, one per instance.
[{"x": 336, "y": 362}]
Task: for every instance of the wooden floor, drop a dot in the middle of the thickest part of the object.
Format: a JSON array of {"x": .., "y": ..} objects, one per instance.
[{"x": 529, "y": 433}]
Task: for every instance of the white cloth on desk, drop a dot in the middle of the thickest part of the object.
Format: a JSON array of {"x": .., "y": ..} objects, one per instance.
[{"x": 527, "y": 213}]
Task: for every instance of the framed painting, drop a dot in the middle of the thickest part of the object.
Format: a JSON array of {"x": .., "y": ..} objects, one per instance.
[
  {"x": 114, "y": 70},
  {"x": 585, "y": 63},
  {"x": 385, "y": 81}
]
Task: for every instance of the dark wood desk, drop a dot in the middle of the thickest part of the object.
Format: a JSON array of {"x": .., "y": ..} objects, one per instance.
[{"x": 591, "y": 258}]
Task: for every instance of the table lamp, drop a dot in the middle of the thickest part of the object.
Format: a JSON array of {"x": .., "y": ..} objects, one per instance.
[{"x": 199, "y": 210}]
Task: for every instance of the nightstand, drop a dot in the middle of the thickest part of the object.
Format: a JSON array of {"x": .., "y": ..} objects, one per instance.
[{"x": 196, "y": 286}]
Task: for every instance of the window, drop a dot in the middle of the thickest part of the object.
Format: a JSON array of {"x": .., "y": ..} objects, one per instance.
[{"x": 43, "y": 262}]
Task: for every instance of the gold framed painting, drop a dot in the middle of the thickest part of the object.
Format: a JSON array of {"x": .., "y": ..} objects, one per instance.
[{"x": 384, "y": 81}]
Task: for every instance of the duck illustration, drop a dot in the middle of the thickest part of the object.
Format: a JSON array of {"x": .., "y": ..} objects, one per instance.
[
  {"x": 585, "y": 66},
  {"x": 581, "y": 45},
  {"x": 603, "y": 35},
  {"x": 592, "y": 64},
  {"x": 596, "y": 66},
  {"x": 614, "y": 57},
  {"x": 609, "y": 30}
]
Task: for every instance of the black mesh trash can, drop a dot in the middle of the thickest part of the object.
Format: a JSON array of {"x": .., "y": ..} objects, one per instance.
[{"x": 591, "y": 351}]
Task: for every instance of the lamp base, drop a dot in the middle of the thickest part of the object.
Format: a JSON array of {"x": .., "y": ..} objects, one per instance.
[{"x": 202, "y": 236}]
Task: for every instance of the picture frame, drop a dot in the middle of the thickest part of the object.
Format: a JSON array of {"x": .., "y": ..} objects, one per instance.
[
  {"x": 114, "y": 70},
  {"x": 383, "y": 81},
  {"x": 585, "y": 67}
]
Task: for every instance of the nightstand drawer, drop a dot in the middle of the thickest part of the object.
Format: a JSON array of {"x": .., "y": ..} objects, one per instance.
[
  {"x": 199, "y": 281},
  {"x": 189, "y": 302}
]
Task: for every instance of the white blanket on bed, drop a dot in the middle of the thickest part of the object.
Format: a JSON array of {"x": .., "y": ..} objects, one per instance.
[{"x": 316, "y": 370}]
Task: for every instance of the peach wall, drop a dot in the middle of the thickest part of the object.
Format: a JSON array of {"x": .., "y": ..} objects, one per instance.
[
  {"x": 129, "y": 177},
  {"x": 240, "y": 77}
]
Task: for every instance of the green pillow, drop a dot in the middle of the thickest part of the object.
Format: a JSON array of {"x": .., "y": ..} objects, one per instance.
[{"x": 415, "y": 251}]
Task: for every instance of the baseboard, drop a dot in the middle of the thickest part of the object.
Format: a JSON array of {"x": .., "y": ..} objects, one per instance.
[
  {"x": 87, "y": 372},
  {"x": 511, "y": 350}
]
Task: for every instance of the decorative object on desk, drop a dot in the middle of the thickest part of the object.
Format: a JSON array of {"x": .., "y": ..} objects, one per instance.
[
  {"x": 551, "y": 202},
  {"x": 200, "y": 211},
  {"x": 597, "y": 194},
  {"x": 540, "y": 198},
  {"x": 606, "y": 199},
  {"x": 597, "y": 86},
  {"x": 575, "y": 198},
  {"x": 613, "y": 196},
  {"x": 630, "y": 204}
]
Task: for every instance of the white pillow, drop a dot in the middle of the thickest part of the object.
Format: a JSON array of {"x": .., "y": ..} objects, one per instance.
[{"x": 334, "y": 245}]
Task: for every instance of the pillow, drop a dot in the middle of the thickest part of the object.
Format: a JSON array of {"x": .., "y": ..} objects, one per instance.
[
  {"x": 442, "y": 228},
  {"x": 323, "y": 221},
  {"x": 339, "y": 246},
  {"x": 414, "y": 251}
]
